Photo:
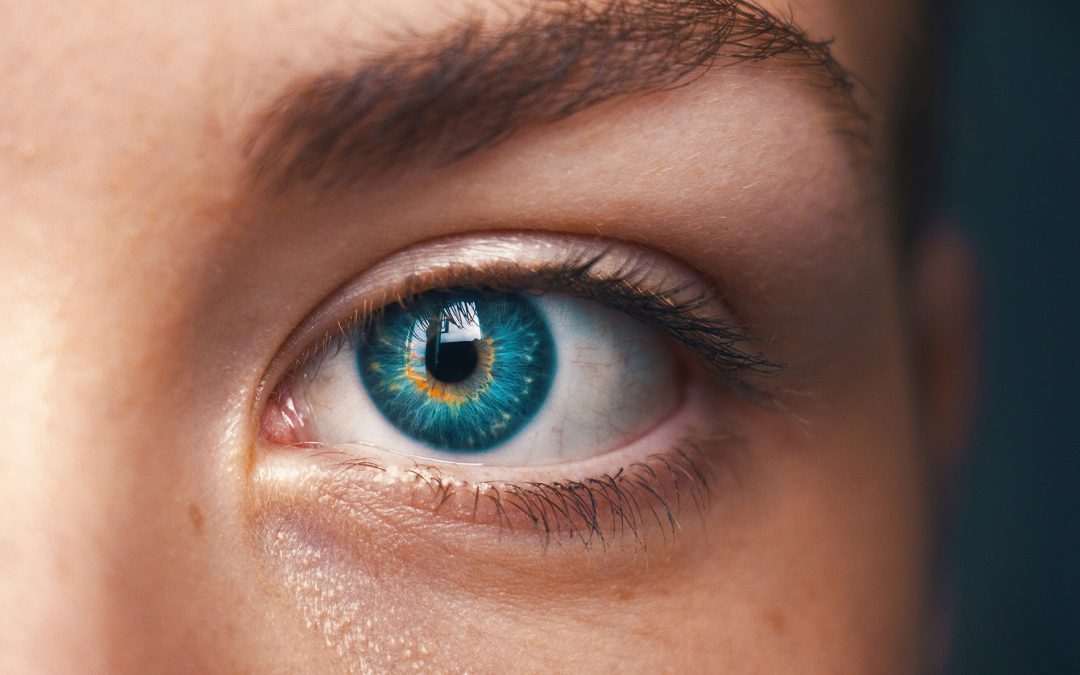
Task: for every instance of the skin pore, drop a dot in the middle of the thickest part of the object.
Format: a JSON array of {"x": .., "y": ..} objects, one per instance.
[{"x": 152, "y": 275}]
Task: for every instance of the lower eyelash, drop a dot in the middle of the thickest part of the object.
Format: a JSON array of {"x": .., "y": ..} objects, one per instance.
[{"x": 633, "y": 503}]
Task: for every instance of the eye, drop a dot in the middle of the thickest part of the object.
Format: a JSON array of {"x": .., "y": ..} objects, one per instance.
[
  {"x": 580, "y": 377},
  {"x": 494, "y": 377}
]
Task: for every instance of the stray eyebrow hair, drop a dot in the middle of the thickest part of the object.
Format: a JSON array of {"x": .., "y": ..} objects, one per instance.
[{"x": 467, "y": 87}]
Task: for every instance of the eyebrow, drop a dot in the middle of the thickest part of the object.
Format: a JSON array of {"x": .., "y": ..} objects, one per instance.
[{"x": 448, "y": 95}]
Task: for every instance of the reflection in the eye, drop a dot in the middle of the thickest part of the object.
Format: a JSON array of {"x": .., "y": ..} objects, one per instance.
[{"x": 453, "y": 346}]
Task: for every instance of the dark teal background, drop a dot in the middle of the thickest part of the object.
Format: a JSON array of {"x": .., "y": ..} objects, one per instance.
[{"x": 1012, "y": 181}]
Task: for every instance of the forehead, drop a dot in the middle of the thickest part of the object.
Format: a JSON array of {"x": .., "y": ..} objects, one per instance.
[
  {"x": 170, "y": 60},
  {"x": 137, "y": 113}
]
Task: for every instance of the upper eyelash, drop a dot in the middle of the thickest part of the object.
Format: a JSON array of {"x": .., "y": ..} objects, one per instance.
[
  {"x": 714, "y": 338},
  {"x": 676, "y": 308}
]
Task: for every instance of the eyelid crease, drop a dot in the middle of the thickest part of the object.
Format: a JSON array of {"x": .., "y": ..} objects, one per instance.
[{"x": 617, "y": 274}]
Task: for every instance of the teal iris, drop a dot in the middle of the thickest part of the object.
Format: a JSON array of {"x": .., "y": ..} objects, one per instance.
[{"x": 461, "y": 371}]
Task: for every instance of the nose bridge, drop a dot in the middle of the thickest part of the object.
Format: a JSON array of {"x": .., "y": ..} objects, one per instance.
[
  {"x": 52, "y": 575},
  {"x": 53, "y": 588},
  {"x": 104, "y": 564},
  {"x": 89, "y": 512}
]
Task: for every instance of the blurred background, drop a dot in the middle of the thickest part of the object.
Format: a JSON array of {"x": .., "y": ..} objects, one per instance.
[{"x": 1012, "y": 183}]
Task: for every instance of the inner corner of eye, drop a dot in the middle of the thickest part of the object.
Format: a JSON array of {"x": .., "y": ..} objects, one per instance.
[
  {"x": 280, "y": 420},
  {"x": 498, "y": 378}
]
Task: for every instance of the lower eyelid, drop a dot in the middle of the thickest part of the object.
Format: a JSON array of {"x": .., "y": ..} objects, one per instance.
[
  {"x": 645, "y": 498},
  {"x": 632, "y": 496}
]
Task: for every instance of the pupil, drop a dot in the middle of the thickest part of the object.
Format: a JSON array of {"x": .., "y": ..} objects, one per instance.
[{"x": 450, "y": 361}]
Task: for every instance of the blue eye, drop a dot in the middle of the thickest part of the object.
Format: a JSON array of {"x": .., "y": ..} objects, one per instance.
[
  {"x": 508, "y": 379},
  {"x": 551, "y": 381},
  {"x": 461, "y": 371}
]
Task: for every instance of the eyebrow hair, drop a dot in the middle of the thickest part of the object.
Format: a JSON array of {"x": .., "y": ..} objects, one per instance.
[{"x": 468, "y": 87}]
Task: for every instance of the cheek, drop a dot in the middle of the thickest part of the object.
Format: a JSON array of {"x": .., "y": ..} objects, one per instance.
[{"x": 838, "y": 521}]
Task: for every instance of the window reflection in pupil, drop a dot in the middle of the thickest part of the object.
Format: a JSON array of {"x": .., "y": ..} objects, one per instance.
[
  {"x": 450, "y": 361},
  {"x": 452, "y": 351}
]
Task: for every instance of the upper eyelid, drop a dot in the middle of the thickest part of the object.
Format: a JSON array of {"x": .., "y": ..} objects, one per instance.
[{"x": 695, "y": 315}]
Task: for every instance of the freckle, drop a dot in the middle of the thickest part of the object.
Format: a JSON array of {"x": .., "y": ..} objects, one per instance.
[
  {"x": 623, "y": 593},
  {"x": 196, "y": 517},
  {"x": 776, "y": 620}
]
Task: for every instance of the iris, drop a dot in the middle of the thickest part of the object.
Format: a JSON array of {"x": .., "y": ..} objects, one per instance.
[{"x": 461, "y": 370}]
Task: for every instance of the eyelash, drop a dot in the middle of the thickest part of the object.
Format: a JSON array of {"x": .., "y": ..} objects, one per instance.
[
  {"x": 590, "y": 511},
  {"x": 714, "y": 339}
]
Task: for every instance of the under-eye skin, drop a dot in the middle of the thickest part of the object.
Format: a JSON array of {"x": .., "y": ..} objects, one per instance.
[{"x": 566, "y": 386}]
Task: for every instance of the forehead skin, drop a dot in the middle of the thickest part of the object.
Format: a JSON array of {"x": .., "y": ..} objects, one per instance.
[{"x": 145, "y": 289}]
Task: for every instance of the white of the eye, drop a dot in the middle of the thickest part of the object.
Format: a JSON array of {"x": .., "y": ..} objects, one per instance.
[{"x": 616, "y": 378}]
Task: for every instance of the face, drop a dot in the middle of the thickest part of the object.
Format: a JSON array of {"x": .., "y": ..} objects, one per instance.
[{"x": 392, "y": 336}]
